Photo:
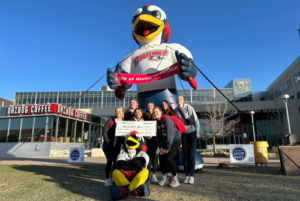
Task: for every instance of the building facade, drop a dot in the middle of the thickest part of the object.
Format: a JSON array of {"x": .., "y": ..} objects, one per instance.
[
  {"x": 45, "y": 130},
  {"x": 269, "y": 117}
]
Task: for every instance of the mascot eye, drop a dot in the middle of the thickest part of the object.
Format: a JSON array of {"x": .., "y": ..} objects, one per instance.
[
  {"x": 134, "y": 18},
  {"x": 138, "y": 139},
  {"x": 156, "y": 14}
]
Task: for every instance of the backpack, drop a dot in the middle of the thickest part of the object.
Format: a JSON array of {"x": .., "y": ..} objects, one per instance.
[{"x": 178, "y": 123}]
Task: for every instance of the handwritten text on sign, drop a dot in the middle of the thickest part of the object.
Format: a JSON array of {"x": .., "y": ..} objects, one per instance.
[{"x": 146, "y": 128}]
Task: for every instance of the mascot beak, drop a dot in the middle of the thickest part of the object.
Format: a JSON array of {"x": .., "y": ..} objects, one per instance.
[
  {"x": 131, "y": 143},
  {"x": 147, "y": 27}
]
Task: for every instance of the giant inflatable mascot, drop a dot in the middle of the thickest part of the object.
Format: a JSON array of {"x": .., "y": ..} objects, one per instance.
[
  {"x": 131, "y": 172},
  {"x": 151, "y": 31}
]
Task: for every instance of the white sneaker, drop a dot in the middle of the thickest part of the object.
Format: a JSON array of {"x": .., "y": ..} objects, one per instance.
[
  {"x": 174, "y": 182},
  {"x": 163, "y": 181},
  {"x": 109, "y": 182},
  {"x": 191, "y": 180},
  {"x": 186, "y": 180},
  {"x": 153, "y": 179}
]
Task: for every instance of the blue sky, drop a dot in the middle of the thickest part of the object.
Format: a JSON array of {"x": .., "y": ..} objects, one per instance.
[{"x": 66, "y": 45}]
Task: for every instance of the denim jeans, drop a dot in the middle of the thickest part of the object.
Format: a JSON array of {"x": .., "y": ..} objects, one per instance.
[{"x": 189, "y": 149}]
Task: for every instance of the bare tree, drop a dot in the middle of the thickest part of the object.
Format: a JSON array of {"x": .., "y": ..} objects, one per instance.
[
  {"x": 277, "y": 123},
  {"x": 217, "y": 123}
]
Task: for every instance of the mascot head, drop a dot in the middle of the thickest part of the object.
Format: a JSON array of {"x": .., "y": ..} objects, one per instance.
[
  {"x": 149, "y": 24},
  {"x": 134, "y": 143}
]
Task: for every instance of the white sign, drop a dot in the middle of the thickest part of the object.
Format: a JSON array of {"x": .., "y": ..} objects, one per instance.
[
  {"x": 245, "y": 135},
  {"x": 146, "y": 128},
  {"x": 241, "y": 153},
  {"x": 76, "y": 155}
]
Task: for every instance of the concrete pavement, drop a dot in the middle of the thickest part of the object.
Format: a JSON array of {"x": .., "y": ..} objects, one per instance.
[{"x": 208, "y": 161}]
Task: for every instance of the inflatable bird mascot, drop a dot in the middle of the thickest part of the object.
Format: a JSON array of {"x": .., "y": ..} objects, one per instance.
[
  {"x": 131, "y": 172},
  {"x": 151, "y": 31}
]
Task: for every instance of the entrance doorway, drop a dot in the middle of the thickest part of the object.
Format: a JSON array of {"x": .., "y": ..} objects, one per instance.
[{"x": 95, "y": 136}]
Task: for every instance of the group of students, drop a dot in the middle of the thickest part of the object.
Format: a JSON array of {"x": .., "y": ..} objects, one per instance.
[{"x": 168, "y": 139}]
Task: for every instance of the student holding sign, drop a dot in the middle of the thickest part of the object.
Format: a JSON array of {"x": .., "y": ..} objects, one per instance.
[
  {"x": 168, "y": 140},
  {"x": 137, "y": 115},
  {"x": 110, "y": 152}
]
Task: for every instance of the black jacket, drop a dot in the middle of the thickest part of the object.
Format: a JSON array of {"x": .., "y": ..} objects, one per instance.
[
  {"x": 128, "y": 114},
  {"x": 147, "y": 117},
  {"x": 109, "y": 131}
]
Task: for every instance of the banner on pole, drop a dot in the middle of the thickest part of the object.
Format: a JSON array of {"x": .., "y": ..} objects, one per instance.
[
  {"x": 76, "y": 155},
  {"x": 128, "y": 79},
  {"x": 241, "y": 153},
  {"x": 238, "y": 130},
  {"x": 146, "y": 128}
]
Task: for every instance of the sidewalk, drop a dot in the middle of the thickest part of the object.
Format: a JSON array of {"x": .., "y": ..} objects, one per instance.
[{"x": 208, "y": 161}]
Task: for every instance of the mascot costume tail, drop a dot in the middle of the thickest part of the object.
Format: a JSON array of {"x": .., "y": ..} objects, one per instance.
[
  {"x": 153, "y": 65},
  {"x": 131, "y": 172}
]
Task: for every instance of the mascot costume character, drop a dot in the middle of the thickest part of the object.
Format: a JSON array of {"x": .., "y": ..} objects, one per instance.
[
  {"x": 131, "y": 172},
  {"x": 151, "y": 31}
]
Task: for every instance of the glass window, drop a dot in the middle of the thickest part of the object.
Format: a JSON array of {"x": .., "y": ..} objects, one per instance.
[
  {"x": 78, "y": 137},
  {"x": 86, "y": 133},
  {"x": 39, "y": 130},
  {"x": 3, "y": 129},
  {"x": 71, "y": 127},
  {"x": 278, "y": 92},
  {"x": 287, "y": 85},
  {"x": 3, "y": 111},
  {"x": 271, "y": 97},
  {"x": 297, "y": 77},
  {"x": 26, "y": 132},
  {"x": 14, "y": 130},
  {"x": 61, "y": 137},
  {"x": 50, "y": 128}
]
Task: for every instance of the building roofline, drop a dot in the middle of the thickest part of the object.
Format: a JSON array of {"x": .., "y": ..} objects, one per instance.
[{"x": 297, "y": 60}]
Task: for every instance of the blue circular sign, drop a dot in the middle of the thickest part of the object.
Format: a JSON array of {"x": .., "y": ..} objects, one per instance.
[
  {"x": 239, "y": 153},
  {"x": 75, "y": 154}
]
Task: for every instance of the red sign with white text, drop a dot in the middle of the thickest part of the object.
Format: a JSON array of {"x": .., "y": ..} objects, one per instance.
[
  {"x": 128, "y": 79},
  {"x": 238, "y": 130},
  {"x": 46, "y": 109}
]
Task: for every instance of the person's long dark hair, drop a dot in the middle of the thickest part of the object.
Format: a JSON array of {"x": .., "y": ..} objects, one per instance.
[
  {"x": 147, "y": 114},
  {"x": 133, "y": 114},
  {"x": 169, "y": 110}
]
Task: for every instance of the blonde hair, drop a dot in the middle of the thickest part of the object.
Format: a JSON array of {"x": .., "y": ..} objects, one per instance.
[
  {"x": 161, "y": 111},
  {"x": 133, "y": 99},
  {"x": 120, "y": 109},
  {"x": 180, "y": 96}
]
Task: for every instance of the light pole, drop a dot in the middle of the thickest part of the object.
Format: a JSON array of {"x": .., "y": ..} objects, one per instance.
[
  {"x": 285, "y": 99},
  {"x": 252, "y": 113},
  {"x": 233, "y": 131}
]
